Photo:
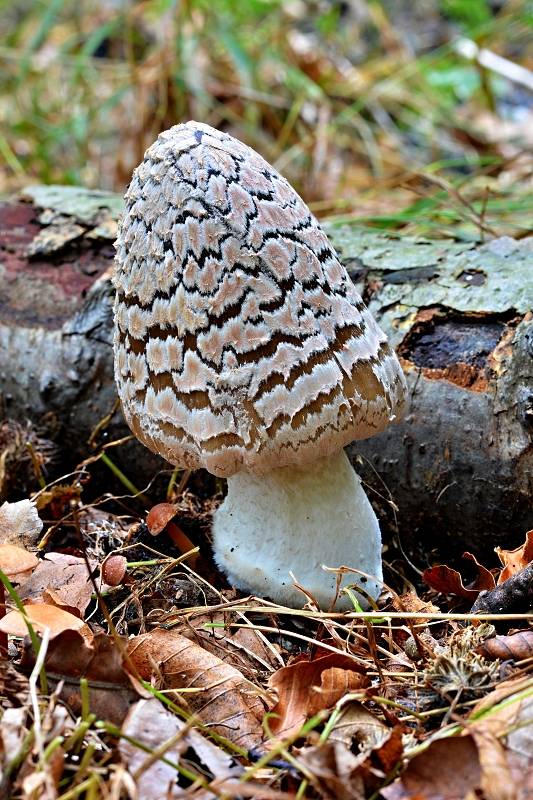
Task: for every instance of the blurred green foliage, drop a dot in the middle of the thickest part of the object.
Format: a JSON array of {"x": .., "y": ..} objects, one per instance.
[{"x": 360, "y": 103}]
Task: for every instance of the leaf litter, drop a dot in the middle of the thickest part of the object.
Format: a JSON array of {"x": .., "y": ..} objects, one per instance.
[{"x": 134, "y": 670}]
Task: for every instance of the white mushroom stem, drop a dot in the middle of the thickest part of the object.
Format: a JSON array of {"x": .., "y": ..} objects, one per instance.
[{"x": 296, "y": 519}]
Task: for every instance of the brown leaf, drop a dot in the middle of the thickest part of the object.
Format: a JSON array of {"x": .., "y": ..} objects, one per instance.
[
  {"x": 60, "y": 580},
  {"x": 515, "y": 560},
  {"x": 246, "y": 649},
  {"x": 16, "y": 562},
  {"x": 504, "y": 737},
  {"x": 515, "y": 647},
  {"x": 412, "y": 604},
  {"x": 70, "y": 657},
  {"x": 493, "y": 760},
  {"x": 43, "y": 616},
  {"x": 338, "y": 774},
  {"x": 358, "y": 726},
  {"x": 301, "y": 692},
  {"x": 334, "y": 684},
  {"x": 335, "y": 771},
  {"x": 448, "y": 770},
  {"x": 151, "y": 724},
  {"x": 448, "y": 581},
  {"x": 223, "y": 697},
  {"x": 58, "y": 498}
]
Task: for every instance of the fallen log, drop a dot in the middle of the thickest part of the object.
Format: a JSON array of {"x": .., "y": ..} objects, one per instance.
[{"x": 455, "y": 474}]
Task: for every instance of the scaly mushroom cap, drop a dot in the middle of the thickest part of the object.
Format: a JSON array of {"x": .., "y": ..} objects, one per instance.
[{"x": 240, "y": 341}]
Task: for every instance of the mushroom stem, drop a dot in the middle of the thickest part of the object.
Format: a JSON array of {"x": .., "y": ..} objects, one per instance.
[{"x": 295, "y": 519}]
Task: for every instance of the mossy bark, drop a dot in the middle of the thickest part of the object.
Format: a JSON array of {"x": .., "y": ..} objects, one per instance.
[{"x": 456, "y": 473}]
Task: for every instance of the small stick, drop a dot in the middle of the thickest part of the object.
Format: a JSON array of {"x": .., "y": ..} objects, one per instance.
[{"x": 514, "y": 594}]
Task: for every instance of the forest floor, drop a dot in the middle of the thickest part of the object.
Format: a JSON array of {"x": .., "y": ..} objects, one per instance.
[
  {"x": 133, "y": 670},
  {"x": 128, "y": 667}
]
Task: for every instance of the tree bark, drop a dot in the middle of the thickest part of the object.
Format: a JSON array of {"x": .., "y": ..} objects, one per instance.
[{"x": 456, "y": 473}]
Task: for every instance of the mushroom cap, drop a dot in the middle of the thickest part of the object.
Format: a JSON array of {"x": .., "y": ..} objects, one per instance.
[{"x": 240, "y": 341}]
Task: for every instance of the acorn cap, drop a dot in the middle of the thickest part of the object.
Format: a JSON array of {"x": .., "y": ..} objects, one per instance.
[{"x": 240, "y": 341}]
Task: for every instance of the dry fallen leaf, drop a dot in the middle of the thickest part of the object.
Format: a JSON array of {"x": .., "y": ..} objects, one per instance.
[
  {"x": 152, "y": 725},
  {"x": 13, "y": 731},
  {"x": 515, "y": 560},
  {"x": 359, "y": 728},
  {"x": 339, "y": 774},
  {"x": 20, "y": 523},
  {"x": 412, "y": 604},
  {"x": 448, "y": 581},
  {"x": 492, "y": 759},
  {"x": 222, "y": 697},
  {"x": 60, "y": 580},
  {"x": 504, "y": 737},
  {"x": 449, "y": 769},
  {"x": 246, "y": 649},
  {"x": 515, "y": 647},
  {"x": 335, "y": 683},
  {"x": 305, "y": 687},
  {"x": 16, "y": 562},
  {"x": 43, "y": 616},
  {"x": 70, "y": 657}
]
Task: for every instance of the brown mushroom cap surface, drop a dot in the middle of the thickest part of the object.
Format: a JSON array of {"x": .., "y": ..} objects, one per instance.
[{"x": 240, "y": 341}]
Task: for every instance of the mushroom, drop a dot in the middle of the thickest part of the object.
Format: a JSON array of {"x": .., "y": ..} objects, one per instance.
[{"x": 242, "y": 346}]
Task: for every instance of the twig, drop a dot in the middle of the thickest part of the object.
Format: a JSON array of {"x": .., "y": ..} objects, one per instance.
[
  {"x": 495, "y": 63},
  {"x": 516, "y": 593}
]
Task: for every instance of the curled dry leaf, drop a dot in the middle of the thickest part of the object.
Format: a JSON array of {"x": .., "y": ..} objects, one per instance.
[
  {"x": 43, "y": 616},
  {"x": 20, "y": 523},
  {"x": 449, "y": 769},
  {"x": 448, "y": 581},
  {"x": 515, "y": 560},
  {"x": 16, "y": 562},
  {"x": 305, "y": 687},
  {"x": 221, "y": 696},
  {"x": 515, "y": 647},
  {"x": 60, "y": 580},
  {"x": 156, "y": 729},
  {"x": 335, "y": 683}
]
